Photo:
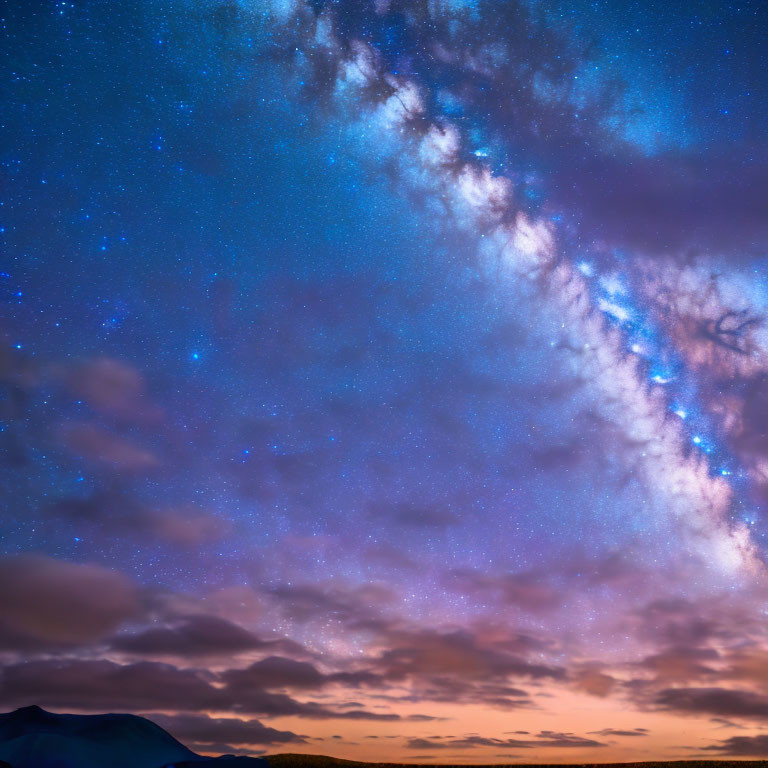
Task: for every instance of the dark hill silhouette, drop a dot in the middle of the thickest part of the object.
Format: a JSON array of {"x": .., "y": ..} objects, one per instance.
[{"x": 33, "y": 738}]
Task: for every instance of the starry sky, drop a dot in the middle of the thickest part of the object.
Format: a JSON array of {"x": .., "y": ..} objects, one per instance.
[{"x": 388, "y": 378}]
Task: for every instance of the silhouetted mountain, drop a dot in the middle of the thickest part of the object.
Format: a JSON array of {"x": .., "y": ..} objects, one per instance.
[{"x": 33, "y": 738}]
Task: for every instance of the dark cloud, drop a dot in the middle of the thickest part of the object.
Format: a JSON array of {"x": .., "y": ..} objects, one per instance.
[
  {"x": 204, "y": 730},
  {"x": 594, "y": 682},
  {"x": 620, "y": 732},
  {"x": 278, "y": 672},
  {"x": 543, "y": 739},
  {"x": 103, "y": 447},
  {"x": 104, "y": 685},
  {"x": 458, "y": 653},
  {"x": 113, "y": 388},
  {"x": 741, "y": 746},
  {"x": 672, "y": 202},
  {"x": 116, "y": 511},
  {"x": 683, "y": 623},
  {"x": 681, "y": 664},
  {"x": 722, "y": 722},
  {"x": 437, "y": 666},
  {"x": 425, "y": 744},
  {"x": 556, "y": 739},
  {"x": 354, "y": 607},
  {"x": 196, "y": 635},
  {"x": 57, "y": 602},
  {"x": 531, "y": 591},
  {"x": 13, "y": 640},
  {"x": 723, "y": 702}
]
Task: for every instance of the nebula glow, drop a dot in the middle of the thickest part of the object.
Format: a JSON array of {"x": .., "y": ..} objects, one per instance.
[{"x": 389, "y": 379}]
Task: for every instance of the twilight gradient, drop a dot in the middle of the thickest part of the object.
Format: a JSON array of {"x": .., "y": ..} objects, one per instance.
[{"x": 389, "y": 379}]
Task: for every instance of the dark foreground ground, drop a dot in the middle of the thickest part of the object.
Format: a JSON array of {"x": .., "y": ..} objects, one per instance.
[{"x": 320, "y": 761}]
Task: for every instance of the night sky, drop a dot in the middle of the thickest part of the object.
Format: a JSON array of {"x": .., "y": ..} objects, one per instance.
[{"x": 388, "y": 378}]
